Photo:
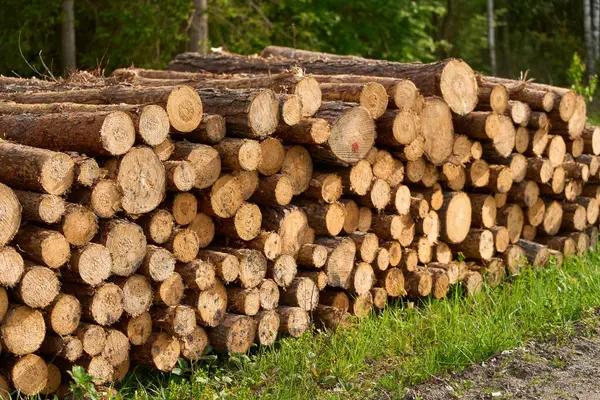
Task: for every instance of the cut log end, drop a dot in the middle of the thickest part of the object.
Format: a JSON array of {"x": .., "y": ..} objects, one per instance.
[
  {"x": 153, "y": 125},
  {"x": 184, "y": 108},
  {"x": 458, "y": 85},
  {"x": 263, "y": 115},
  {"x": 29, "y": 375}
]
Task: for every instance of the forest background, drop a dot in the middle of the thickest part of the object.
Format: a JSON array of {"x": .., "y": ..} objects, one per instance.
[{"x": 543, "y": 38}]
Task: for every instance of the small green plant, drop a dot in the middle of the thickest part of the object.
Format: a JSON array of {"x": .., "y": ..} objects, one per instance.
[
  {"x": 577, "y": 77},
  {"x": 82, "y": 386}
]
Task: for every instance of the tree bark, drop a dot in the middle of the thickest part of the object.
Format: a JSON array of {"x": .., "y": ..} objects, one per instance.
[
  {"x": 68, "y": 36},
  {"x": 198, "y": 30}
]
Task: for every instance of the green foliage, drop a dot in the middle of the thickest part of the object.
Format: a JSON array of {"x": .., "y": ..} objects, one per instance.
[
  {"x": 577, "y": 77},
  {"x": 82, "y": 386},
  {"x": 399, "y": 347}
]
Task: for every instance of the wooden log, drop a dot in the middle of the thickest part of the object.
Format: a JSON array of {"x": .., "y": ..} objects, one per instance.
[
  {"x": 97, "y": 133},
  {"x": 397, "y": 128},
  {"x": 352, "y": 217},
  {"x": 157, "y": 225},
  {"x": 142, "y": 178},
  {"x": 483, "y": 210},
  {"x": 38, "y": 287},
  {"x": 210, "y": 131},
  {"x": 283, "y": 270},
  {"x": 252, "y": 267},
  {"x": 325, "y": 187},
  {"x": 306, "y": 131},
  {"x": 576, "y": 123},
  {"x": 537, "y": 254},
  {"x": 318, "y": 277},
  {"x": 182, "y": 103},
  {"x": 472, "y": 283},
  {"x": 365, "y": 218},
  {"x": 205, "y": 160},
  {"x": 403, "y": 94},
  {"x": 290, "y": 109},
  {"x": 227, "y": 266},
  {"x": 394, "y": 227},
  {"x": 326, "y": 317},
  {"x": 239, "y": 154},
  {"x": 415, "y": 169},
  {"x": 501, "y": 237},
  {"x": 512, "y": 216},
  {"x": 340, "y": 261},
  {"x": 79, "y": 224},
  {"x": 492, "y": 96},
  {"x": 161, "y": 351},
  {"x": 104, "y": 198},
  {"x": 294, "y": 321},
  {"x": 357, "y": 179},
  {"x": 519, "y": 112},
  {"x": 362, "y": 305},
  {"x": 137, "y": 294},
  {"x": 525, "y": 193},
  {"x": 565, "y": 244},
  {"x": 275, "y": 190},
  {"x": 372, "y": 95},
  {"x": 522, "y": 140},
  {"x": 235, "y": 334},
  {"x": 169, "y": 292},
  {"x": 592, "y": 208},
  {"x": 248, "y": 182},
  {"x": 297, "y": 165},
  {"x": 290, "y": 223},
  {"x": 535, "y": 213},
  {"x": 245, "y": 225},
  {"x": 336, "y": 299},
  {"x": 455, "y": 217},
  {"x": 44, "y": 246},
  {"x": 47, "y": 171},
  {"x": 92, "y": 337},
  {"x": 552, "y": 218},
  {"x": 29, "y": 375},
  {"x": 267, "y": 327},
  {"x": 210, "y": 305},
  {"x": 20, "y": 319},
  {"x": 180, "y": 175},
  {"x": 440, "y": 283},
  {"x": 591, "y": 137},
  {"x": 478, "y": 174},
  {"x": 443, "y": 253},
  {"x": 574, "y": 217},
  {"x": 539, "y": 170},
  {"x": 451, "y": 269},
  {"x": 302, "y": 292},
  {"x": 366, "y": 245},
  {"x": 418, "y": 283},
  {"x": 478, "y": 125},
  {"x": 479, "y": 244},
  {"x": 177, "y": 320},
  {"x": 63, "y": 315},
  {"x": 410, "y": 259},
  {"x": 127, "y": 255},
  {"x": 158, "y": 263},
  {"x": 67, "y": 347},
  {"x": 103, "y": 304},
  {"x": 269, "y": 294},
  {"x": 249, "y": 113},
  {"x": 224, "y": 199},
  {"x": 194, "y": 345},
  {"x": 269, "y": 243},
  {"x": 138, "y": 329},
  {"x": 37, "y": 207},
  {"x": 454, "y": 176},
  {"x": 11, "y": 266},
  {"x": 312, "y": 255}
]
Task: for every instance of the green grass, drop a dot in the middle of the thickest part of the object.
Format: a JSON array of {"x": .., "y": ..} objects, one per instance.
[{"x": 399, "y": 347}]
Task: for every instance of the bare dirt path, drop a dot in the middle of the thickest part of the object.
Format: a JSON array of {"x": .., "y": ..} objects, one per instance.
[{"x": 561, "y": 369}]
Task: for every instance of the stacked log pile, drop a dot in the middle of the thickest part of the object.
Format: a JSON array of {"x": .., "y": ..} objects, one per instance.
[{"x": 231, "y": 200}]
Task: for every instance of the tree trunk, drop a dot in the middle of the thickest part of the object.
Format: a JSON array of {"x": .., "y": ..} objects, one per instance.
[
  {"x": 589, "y": 38},
  {"x": 492, "y": 36},
  {"x": 68, "y": 37},
  {"x": 198, "y": 30}
]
